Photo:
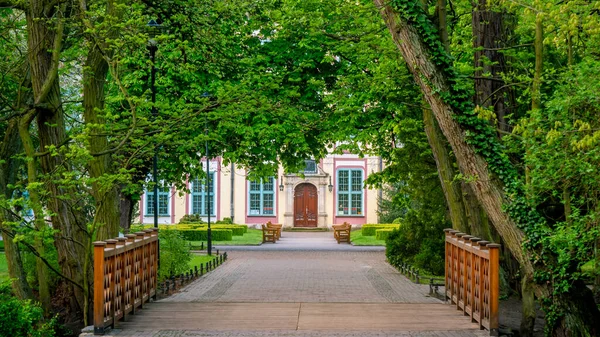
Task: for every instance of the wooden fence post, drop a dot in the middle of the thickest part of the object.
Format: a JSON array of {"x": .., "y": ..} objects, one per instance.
[
  {"x": 112, "y": 269},
  {"x": 99, "y": 287},
  {"x": 494, "y": 287},
  {"x": 447, "y": 264}
]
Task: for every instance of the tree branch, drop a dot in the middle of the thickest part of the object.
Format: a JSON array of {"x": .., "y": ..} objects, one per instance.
[{"x": 35, "y": 252}]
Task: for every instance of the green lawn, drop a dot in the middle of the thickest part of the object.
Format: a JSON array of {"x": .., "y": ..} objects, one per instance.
[
  {"x": 252, "y": 238},
  {"x": 3, "y": 268},
  {"x": 359, "y": 240},
  {"x": 198, "y": 259}
]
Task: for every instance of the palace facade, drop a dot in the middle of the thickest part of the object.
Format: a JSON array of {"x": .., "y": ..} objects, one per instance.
[{"x": 332, "y": 191}]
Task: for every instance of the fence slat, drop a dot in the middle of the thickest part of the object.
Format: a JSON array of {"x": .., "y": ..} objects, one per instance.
[{"x": 472, "y": 278}]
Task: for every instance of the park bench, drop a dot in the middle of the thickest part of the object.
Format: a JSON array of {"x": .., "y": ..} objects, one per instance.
[
  {"x": 277, "y": 227},
  {"x": 342, "y": 232},
  {"x": 269, "y": 234}
]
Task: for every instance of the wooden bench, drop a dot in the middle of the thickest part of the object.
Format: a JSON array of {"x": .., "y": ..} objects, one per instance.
[
  {"x": 277, "y": 227},
  {"x": 269, "y": 234},
  {"x": 342, "y": 232}
]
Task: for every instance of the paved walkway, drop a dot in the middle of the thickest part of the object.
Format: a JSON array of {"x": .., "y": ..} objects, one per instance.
[
  {"x": 316, "y": 291},
  {"x": 304, "y": 276}
]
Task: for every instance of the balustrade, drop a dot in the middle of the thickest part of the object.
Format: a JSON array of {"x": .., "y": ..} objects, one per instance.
[{"x": 472, "y": 278}]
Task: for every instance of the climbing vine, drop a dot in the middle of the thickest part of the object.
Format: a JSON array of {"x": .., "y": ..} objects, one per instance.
[{"x": 482, "y": 137}]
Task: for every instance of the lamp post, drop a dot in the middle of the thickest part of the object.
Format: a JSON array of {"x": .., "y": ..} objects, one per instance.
[
  {"x": 208, "y": 231},
  {"x": 153, "y": 27}
]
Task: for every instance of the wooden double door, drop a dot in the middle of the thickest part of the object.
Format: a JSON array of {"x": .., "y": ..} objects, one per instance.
[{"x": 306, "y": 206}]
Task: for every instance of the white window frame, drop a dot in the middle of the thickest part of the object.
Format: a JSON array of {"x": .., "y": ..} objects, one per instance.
[
  {"x": 202, "y": 195},
  {"x": 150, "y": 198},
  {"x": 350, "y": 192},
  {"x": 261, "y": 193}
]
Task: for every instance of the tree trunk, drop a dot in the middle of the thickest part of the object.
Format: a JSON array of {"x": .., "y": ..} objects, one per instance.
[
  {"x": 489, "y": 191},
  {"x": 16, "y": 272},
  {"x": 9, "y": 148},
  {"x": 106, "y": 197},
  {"x": 38, "y": 211},
  {"x": 452, "y": 190},
  {"x": 528, "y": 307},
  {"x": 45, "y": 28},
  {"x": 127, "y": 204},
  {"x": 489, "y": 36}
]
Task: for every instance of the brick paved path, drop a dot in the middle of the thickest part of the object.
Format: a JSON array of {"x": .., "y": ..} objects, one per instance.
[
  {"x": 304, "y": 276},
  {"x": 313, "y": 292}
]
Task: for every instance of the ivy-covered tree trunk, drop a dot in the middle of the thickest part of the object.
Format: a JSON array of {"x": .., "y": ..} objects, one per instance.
[
  {"x": 491, "y": 93},
  {"x": 489, "y": 38},
  {"x": 489, "y": 191}
]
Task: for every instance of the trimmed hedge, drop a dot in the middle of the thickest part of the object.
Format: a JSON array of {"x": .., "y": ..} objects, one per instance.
[
  {"x": 237, "y": 230},
  {"x": 200, "y": 234},
  {"x": 369, "y": 230},
  {"x": 382, "y": 234}
]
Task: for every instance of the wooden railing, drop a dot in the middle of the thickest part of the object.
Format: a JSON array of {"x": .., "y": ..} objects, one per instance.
[
  {"x": 125, "y": 271},
  {"x": 472, "y": 278}
]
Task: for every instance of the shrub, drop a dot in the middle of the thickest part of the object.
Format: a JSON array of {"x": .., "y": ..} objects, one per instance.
[
  {"x": 191, "y": 218},
  {"x": 369, "y": 230},
  {"x": 1, "y": 246},
  {"x": 22, "y": 318},
  {"x": 201, "y": 234},
  {"x": 174, "y": 254},
  {"x": 419, "y": 242},
  {"x": 237, "y": 230},
  {"x": 225, "y": 221},
  {"x": 382, "y": 234}
]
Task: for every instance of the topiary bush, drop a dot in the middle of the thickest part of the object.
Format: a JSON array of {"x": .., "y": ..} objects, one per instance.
[
  {"x": 382, "y": 234},
  {"x": 225, "y": 221},
  {"x": 22, "y": 318},
  {"x": 370, "y": 229},
  {"x": 191, "y": 218}
]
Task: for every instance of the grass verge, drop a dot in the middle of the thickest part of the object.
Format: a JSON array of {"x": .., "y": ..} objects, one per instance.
[
  {"x": 198, "y": 259},
  {"x": 251, "y": 238},
  {"x": 359, "y": 240}
]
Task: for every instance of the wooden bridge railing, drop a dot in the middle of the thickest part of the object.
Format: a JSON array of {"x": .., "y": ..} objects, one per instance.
[
  {"x": 472, "y": 278},
  {"x": 125, "y": 271}
]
